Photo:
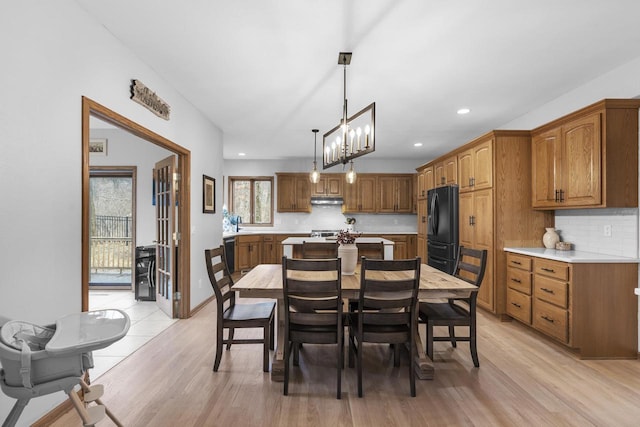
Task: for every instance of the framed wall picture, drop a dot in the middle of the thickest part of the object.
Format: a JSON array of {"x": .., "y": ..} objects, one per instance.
[
  {"x": 98, "y": 147},
  {"x": 208, "y": 194}
]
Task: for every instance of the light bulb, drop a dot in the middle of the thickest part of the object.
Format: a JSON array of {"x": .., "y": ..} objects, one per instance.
[
  {"x": 351, "y": 175},
  {"x": 314, "y": 175}
]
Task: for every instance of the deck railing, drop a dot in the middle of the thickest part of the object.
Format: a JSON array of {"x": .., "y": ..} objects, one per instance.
[{"x": 111, "y": 243}]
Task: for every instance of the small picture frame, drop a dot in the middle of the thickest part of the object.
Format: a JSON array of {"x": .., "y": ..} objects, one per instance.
[
  {"x": 208, "y": 194},
  {"x": 98, "y": 147}
]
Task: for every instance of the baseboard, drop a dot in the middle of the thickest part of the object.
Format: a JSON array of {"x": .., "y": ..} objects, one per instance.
[
  {"x": 53, "y": 415},
  {"x": 201, "y": 305}
]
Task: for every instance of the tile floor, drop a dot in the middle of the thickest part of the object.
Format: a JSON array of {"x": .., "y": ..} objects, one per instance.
[{"x": 147, "y": 321}]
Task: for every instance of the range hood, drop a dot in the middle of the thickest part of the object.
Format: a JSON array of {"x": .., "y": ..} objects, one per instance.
[{"x": 326, "y": 200}]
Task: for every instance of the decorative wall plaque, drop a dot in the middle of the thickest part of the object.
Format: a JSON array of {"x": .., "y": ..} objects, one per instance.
[{"x": 144, "y": 96}]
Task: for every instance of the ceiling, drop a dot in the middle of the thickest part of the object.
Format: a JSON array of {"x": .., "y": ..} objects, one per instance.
[{"x": 266, "y": 71}]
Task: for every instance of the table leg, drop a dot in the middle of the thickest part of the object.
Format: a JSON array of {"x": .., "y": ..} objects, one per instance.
[
  {"x": 277, "y": 365},
  {"x": 423, "y": 364}
]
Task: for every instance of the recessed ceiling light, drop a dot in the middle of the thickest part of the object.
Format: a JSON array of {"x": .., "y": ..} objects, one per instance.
[
  {"x": 464, "y": 111},
  {"x": 241, "y": 154},
  {"x": 418, "y": 144}
]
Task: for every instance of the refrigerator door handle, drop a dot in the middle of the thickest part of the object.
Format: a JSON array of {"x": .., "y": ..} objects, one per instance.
[{"x": 435, "y": 213}]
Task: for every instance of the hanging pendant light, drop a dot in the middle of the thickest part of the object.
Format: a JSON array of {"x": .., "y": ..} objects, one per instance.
[
  {"x": 351, "y": 175},
  {"x": 314, "y": 175}
]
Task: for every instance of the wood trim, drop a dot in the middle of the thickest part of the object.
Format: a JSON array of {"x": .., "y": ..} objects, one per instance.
[
  {"x": 200, "y": 306},
  {"x": 92, "y": 108},
  {"x": 54, "y": 414}
]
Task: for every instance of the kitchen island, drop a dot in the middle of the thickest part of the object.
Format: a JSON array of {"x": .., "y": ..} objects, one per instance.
[{"x": 292, "y": 245}]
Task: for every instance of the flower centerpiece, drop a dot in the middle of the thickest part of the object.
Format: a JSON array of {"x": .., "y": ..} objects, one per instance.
[{"x": 348, "y": 251}]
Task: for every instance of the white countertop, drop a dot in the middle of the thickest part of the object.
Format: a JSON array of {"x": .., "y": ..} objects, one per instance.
[
  {"x": 574, "y": 257},
  {"x": 299, "y": 240},
  {"x": 308, "y": 232}
]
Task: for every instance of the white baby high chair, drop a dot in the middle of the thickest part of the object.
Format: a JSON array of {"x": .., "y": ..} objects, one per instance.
[{"x": 39, "y": 360}]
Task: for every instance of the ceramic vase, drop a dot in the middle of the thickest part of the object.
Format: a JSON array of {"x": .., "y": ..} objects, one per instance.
[
  {"x": 550, "y": 238},
  {"x": 349, "y": 258}
]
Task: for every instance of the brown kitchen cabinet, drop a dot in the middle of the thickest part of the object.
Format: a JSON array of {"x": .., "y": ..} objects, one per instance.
[
  {"x": 584, "y": 306},
  {"x": 269, "y": 249},
  {"x": 293, "y": 192},
  {"x": 360, "y": 197},
  {"x": 499, "y": 215},
  {"x": 446, "y": 172},
  {"x": 248, "y": 252},
  {"x": 475, "y": 170},
  {"x": 425, "y": 181},
  {"x": 395, "y": 193},
  {"x": 329, "y": 185},
  {"x": 588, "y": 158}
]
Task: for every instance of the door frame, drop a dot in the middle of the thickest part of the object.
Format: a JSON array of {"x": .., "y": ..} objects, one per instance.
[{"x": 92, "y": 108}]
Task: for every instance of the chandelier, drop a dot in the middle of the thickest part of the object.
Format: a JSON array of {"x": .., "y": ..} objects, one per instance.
[{"x": 354, "y": 136}]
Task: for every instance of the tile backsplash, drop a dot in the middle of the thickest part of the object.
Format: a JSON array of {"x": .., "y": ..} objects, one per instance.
[{"x": 585, "y": 228}]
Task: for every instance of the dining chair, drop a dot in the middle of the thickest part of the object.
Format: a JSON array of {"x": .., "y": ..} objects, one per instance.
[
  {"x": 313, "y": 309},
  {"x": 470, "y": 266},
  {"x": 233, "y": 316},
  {"x": 387, "y": 311},
  {"x": 319, "y": 250},
  {"x": 371, "y": 250}
]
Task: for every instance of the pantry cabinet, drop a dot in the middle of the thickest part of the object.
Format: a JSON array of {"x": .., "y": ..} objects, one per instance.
[{"x": 587, "y": 159}]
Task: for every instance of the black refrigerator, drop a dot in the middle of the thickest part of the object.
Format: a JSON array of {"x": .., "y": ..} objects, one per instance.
[{"x": 442, "y": 227}]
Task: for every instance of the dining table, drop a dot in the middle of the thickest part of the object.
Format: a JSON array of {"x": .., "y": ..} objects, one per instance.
[{"x": 265, "y": 281}]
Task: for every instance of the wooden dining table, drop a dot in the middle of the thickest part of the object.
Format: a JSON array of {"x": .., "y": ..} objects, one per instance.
[{"x": 265, "y": 281}]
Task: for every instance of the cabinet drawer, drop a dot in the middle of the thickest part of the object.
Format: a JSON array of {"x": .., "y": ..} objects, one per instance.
[
  {"x": 267, "y": 238},
  {"x": 550, "y": 319},
  {"x": 519, "y": 280},
  {"x": 248, "y": 239},
  {"x": 558, "y": 270},
  {"x": 519, "y": 261},
  {"x": 550, "y": 290},
  {"x": 519, "y": 306}
]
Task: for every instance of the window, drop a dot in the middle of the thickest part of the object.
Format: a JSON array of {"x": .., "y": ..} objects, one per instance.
[{"x": 251, "y": 199}]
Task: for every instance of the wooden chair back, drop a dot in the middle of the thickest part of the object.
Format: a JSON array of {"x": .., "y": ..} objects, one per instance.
[
  {"x": 388, "y": 295},
  {"x": 371, "y": 250},
  {"x": 319, "y": 250},
  {"x": 471, "y": 265},
  {"x": 220, "y": 278}
]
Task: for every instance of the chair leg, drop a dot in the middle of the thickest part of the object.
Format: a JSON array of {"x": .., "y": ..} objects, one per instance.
[
  {"x": 265, "y": 348},
  {"x": 429, "y": 339},
  {"x": 412, "y": 369},
  {"x": 287, "y": 353},
  {"x": 219, "y": 345},
  {"x": 473, "y": 342},
  {"x": 272, "y": 335},
  {"x": 396, "y": 355},
  {"x": 230, "y": 340},
  {"x": 15, "y": 412},
  {"x": 339, "y": 365},
  {"x": 296, "y": 354},
  {"x": 352, "y": 351},
  {"x": 359, "y": 368},
  {"x": 452, "y": 335}
]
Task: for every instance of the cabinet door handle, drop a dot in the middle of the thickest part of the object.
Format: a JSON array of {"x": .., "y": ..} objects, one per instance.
[
  {"x": 516, "y": 262},
  {"x": 549, "y": 291},
  {"x": 550, "y": 270},
  {"x": 548, "y": 319},
  {"x": 561, "y": 196},
  {"x": 517, "y": 305},
  {"x": 516, "y": 280},
  {"x": 424, "y": 219},
  {"x": 557, "y": 199}
]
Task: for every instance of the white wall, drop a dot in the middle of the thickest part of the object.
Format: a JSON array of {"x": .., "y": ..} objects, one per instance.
[
  {"x": 56, "y": 55},
  {"x": 326, "y": 217}
]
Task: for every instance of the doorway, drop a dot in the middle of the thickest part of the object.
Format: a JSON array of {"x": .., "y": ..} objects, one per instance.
[
  {"x": 181, "y": 307},
  {"x": 112, "y": 227}
]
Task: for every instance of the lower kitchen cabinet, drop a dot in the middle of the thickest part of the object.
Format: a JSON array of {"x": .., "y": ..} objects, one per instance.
[
  {"x": 248, "y": 251},
  {"x": 588, "y": 307},
  {"x": 268, "y": 249}
]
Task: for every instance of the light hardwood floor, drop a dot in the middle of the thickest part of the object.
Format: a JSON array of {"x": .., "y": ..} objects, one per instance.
[{"x": 523, "y": 379}]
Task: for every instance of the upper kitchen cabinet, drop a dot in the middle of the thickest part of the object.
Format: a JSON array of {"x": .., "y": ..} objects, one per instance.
[
  {"x": 425, "y": 181},
  {"x": 359, "y": 197},
  {"x": 475, "y": 169},
  {"x": 587, "y": 159},
  {"x": 330, "y": 185},
  {"x": 293, "y": 192},
  {"x": 395, "y": 193},
  {"x": 446, "y": 172}
]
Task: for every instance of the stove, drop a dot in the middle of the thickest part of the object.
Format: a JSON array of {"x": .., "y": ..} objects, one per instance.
[{"x": 324, "y": 233}]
